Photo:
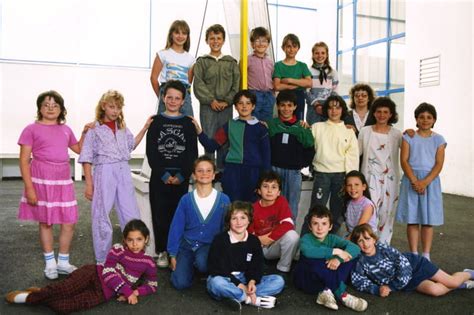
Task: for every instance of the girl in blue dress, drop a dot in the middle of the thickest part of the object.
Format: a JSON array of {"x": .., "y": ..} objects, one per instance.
[{"x": 421, "y": 202}]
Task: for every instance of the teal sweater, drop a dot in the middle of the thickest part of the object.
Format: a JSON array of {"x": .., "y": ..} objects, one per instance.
[{"x": 311, "y": 247}]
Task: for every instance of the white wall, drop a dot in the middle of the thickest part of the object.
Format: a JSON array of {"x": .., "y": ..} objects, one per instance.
[{"x": 444, "y": 28}]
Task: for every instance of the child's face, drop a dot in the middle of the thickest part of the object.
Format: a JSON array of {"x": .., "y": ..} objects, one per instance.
[
  {"x": 361, "y": 99},
  {"x": 215, "y": 42},
  {"x": 260, "y": 45},
  {"x": 286, "y": 110},
  {"x": 269, "y": 191},
  {"x": 239, "y": 222},
  {"x": 245, "y": 108},
  {"x": 50, "y": 110},
  {"x": 290, "y": 49},
  {"x": 135, "y": 241},
  {"x": 173, "y": 100},
  {"x": 320, "y": 227},
  {"x": 179, "y": 37},
  {"x": 320, "y": 55},
  {"x": 334, "y": 111},
  {"x": 367, "y": 244},
  {"x": 355, "y": 188},
  {"x": 425, "y": 121},
  {"x": 111, "y": 111},
  {"x": 204, "y": 173},
  {"x": 382, "y": 115}
]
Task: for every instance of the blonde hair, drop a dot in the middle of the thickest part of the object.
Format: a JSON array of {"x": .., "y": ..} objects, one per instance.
[
  {"x": 114, "y": 97},
  {"x": 325, "y": 46}
]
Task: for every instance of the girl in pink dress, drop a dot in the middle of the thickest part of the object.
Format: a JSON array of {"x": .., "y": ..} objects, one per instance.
[{"x": 49, "y": 197}]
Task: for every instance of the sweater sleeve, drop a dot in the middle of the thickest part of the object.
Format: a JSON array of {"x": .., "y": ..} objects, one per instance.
[
  {"x": 310, "y": 249},
  {"x": 285, "y": 222},
  {"x": 202, "y": 93},
  {"x": 265, "y": 151},
  {"x": 177, "y": 227},
  {"x": 361, "y": 281},
  {"x": 150, "y": 280},
  {"x": 403, "y": 269},
  {"x": 352, "y": 153},
  {"x": 348, "y": 246},
  {"x": 220, "y": 138},
  {"x": 111, "y": 276},
  {"x": 255, "y": 268},
  {"x": 235, "y": 83}
]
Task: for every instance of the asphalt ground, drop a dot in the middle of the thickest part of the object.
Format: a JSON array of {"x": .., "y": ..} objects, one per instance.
[{"x": 22, "y": 266}]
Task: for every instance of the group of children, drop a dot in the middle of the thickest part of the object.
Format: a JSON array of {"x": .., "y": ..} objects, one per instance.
[{"x": 261, "y": 184}]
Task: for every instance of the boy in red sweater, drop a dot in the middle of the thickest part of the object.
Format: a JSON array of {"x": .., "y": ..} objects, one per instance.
[{"x": 272, "y": 222}]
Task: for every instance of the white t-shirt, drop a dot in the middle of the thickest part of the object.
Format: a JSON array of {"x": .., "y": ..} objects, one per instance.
[
  {"x": 175, "y": 65},
  {"x": 205, "y": 204}
]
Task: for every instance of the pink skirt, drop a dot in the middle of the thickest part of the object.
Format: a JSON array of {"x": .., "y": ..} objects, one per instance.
[{"x": 55, "y": 193}]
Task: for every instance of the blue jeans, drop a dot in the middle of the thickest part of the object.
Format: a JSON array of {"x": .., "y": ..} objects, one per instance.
[
  {"x": 222, "y": 288},
  {"x": 264, "y": 106},
  {"x": 300, "y": 104},
  {"x": 187, "y": 259},
  {"x": 186, "y": 109},
  {"x": 290, "y": 187},
  {"x": 328, "y": 186}
]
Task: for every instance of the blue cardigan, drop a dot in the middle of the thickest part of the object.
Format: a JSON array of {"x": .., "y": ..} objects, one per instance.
[{"x": 188, "y": 223}]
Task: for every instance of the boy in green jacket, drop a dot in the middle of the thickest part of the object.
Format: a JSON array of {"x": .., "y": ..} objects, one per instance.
[{"x": 216, "y": 81}]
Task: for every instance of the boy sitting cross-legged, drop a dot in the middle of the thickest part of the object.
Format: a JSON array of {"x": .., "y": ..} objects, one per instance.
[{"x": 272, "y": 222}]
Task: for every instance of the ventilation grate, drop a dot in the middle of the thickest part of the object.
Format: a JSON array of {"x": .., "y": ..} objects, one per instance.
[{"x": 429, "y": 71}]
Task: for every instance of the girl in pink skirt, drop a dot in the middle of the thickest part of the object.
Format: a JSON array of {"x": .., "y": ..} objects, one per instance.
[{"x": 49, "y": 196}]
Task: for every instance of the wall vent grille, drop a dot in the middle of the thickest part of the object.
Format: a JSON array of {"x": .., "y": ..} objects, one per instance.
[{"x": 429, "y": 71}]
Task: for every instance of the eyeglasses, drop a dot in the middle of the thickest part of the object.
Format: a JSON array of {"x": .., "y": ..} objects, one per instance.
[
  {"x": 50, "y": 106},
  {"x": 334, "y": 106},
  {"x": 261, "y": 41},
  {"x": 363, "y": 95}
]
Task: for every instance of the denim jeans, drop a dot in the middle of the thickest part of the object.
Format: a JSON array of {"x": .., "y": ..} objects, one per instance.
[
  {"x": 290, "y": 187},
  {"x": 264, "y": 106},
  {"x": 300, "y": 104},
  {"x": 186, "y": 109},
  {"x": 328, "y": 186},
  {"x": 187, "y": 259},
  {"x": 220, "y": 287}
]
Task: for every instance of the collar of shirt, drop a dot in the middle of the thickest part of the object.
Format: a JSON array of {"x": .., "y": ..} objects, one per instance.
[
  {"x": 216, "y": 58},
  {"x": 233, "y": 240}
]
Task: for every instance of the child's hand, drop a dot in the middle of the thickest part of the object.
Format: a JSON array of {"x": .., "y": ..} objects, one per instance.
[
  {"x": 265, "y": 240},
  {"x": 264, "y": 123},
  {"x": 287, "y": 81},
  {"x": 173, "y": 180},
  {"x": 89, "y": 192},
  {"x": 31, "y": 196},
  {"x": 251, "y": 288},
  {"x": 132, "y": 299},
  {"x": 215, "y": 106},
  {"x": 409, "y": 132},
  {"x": 88, "y": 126},
  {"x": 223, "y": 105},
  {"x": 148, "y": 122},
  {"x": 121, "y": 298},
  {"x": 196, "y": 125},
  {"x": 384, "y": 291},
  {"x": 351, "y": 127},
  {"x": 304, "y": 124},
  {"x": 173, "y": 263},
  {"x": 343, "y": 254},
  {"x": 333, "y": 263}
]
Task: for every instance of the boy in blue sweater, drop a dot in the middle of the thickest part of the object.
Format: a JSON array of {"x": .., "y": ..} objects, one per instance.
[
  {"x": 198, "y": 218},
  {"x": 326, "y": 262}
]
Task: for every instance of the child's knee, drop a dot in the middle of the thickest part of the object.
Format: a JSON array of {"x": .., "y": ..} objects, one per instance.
[{"x": 181, "y": 282}]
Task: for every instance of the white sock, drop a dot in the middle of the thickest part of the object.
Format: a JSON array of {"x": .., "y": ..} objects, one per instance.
[
  {"x": 63, "y": 260},
  {"x": 20, "y": 298},
  {"x": 427, "y": 256},
  {"x": 50, "y": 260}
]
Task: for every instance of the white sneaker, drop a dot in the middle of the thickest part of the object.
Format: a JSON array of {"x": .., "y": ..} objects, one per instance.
[
  {"x": 469, "y": 284},
  {"x": 65, "y": 270},
  {"x": 265, "y": 301},
  {"x": 51, "y": 273},
  {"x": 162, "y": 261},
  {"x": 354, "y": 303},
  {"x": 326, "y": 298}
]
